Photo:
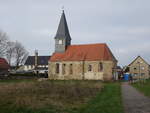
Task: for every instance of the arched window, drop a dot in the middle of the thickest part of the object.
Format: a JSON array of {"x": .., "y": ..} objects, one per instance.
[
  {"x": 100, "y": 67},
  {"x": 70, "y": 68},
  {"x": 57, "y": 68},
  {"x": 90, "y": 68},
  {"x": 64, "y": 69}
]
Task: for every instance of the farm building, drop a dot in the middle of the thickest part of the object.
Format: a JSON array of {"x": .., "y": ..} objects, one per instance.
[
  {"x": 4, "y": 66},
  {"x": 37, "y": 63},
  {"x": 139, "y": 68},
  {"x": 87, "y": 61}
]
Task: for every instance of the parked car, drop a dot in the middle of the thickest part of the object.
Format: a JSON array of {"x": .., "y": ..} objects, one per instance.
[{"x": 22, "y": 72}]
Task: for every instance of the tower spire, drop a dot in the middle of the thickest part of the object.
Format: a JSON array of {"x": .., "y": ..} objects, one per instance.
[
  {"x": 63, "y": 31},
  {"x": 62, "y": 38}
]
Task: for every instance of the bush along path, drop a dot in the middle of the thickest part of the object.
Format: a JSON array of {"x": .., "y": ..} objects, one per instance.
[
  {"x": 107, "y": 101},
  {"x": 134, "y": 101}
]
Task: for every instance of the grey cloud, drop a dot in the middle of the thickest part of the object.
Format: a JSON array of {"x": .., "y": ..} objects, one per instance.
[{"x": 122, "y": 24}]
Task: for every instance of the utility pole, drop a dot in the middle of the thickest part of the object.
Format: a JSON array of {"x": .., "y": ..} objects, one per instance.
[{"x": 139, "y": 73}]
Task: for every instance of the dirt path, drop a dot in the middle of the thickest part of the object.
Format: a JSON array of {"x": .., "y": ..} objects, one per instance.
[{"x": 134, "y": 101}]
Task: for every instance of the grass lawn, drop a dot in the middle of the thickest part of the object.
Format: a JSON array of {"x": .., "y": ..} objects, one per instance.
[
  {"x": 143, "y": 87},
  {"x": 107, "y": 101},
  {"x": 60, "y": 97}
]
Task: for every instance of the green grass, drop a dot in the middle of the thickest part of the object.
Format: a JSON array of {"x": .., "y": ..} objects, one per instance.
[
  {"x": 143, "y": 87},
  {"x": 17, "y": 80},
  {"x": 60, "y": 97},
  {"x": 107, "y": 101}
]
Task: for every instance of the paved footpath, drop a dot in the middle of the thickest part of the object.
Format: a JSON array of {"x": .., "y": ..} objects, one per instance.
[{"x": 134, "y": 101}]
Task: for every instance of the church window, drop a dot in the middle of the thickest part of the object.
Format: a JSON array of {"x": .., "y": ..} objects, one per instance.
[
  {"x": 90, "y": 68},
  {"x": 64, "y": 69},
  {"x": 100, "y": 67},
  {"x": 71, "y": 70},
  {"x": 57, "y": 68}
]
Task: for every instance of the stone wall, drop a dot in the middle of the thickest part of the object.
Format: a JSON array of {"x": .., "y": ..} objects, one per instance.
[{"x": 80, "y": 70}]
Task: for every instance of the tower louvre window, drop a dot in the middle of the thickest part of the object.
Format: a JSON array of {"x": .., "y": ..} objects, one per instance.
[{"x": 60, "y": 42}]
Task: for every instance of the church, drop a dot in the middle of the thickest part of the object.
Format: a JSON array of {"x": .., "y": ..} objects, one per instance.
[{"x": 79, "y": 62}]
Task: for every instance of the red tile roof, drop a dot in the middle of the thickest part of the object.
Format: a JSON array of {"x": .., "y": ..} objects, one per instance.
[
  {"x": 88, "y": 52},
  {"x": 3, "y": 64}
]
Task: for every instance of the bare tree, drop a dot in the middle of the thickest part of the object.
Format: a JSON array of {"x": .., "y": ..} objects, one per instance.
[
  {"x": 13, "y": 51},
  {"x": 20, "y": 54},
  {"x": 24, "y": 58},
  {"x": 10, "y": 51},
  {"x": 3, "y": 43}
]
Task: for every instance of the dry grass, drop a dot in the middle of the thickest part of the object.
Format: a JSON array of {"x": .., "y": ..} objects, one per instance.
[{"x": 35, "y": 95}]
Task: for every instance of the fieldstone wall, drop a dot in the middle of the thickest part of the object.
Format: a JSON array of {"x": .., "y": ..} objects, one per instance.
[{"x": 80, "y": 70}]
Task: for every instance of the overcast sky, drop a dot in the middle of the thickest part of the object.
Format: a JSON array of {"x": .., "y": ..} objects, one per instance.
[{"x": 123, "y": 24}]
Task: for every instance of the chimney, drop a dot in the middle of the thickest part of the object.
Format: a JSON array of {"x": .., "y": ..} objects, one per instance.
[{"x": 36, "y": 58}]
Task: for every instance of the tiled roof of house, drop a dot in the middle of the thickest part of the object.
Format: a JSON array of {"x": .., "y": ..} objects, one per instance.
[
  {"x": 138, "y": 57},
  {"x": 88, "y": 52},
  {"x": 4, "y": 64},
  {"x": 42, "y": 60}
]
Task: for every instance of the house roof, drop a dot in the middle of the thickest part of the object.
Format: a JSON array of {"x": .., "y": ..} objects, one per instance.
[
  {"x": 63, "y": 31},
  {"x": 4, "y": 64},
  {"x": 42, "y": 60},
  {"x": 88, "y": 52},
  {"x": 136, "y": 59},
  {"x": 118, "y": 67}
]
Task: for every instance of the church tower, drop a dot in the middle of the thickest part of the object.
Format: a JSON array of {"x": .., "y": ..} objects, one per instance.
[{"x": 62, "y": 38}]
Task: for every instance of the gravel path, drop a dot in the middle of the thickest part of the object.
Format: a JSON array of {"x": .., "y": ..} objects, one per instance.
[{"x": 134, "y": 101}]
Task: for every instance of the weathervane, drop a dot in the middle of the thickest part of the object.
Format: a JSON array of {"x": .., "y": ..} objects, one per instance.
[{"x": 62, "y": 8}]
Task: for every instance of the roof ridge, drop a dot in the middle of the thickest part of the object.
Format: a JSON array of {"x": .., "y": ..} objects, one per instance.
[
  {"x": 2, "y": 58},
  {"x": 89, "y": 44},
  {"x": 38, "y": 55}
]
